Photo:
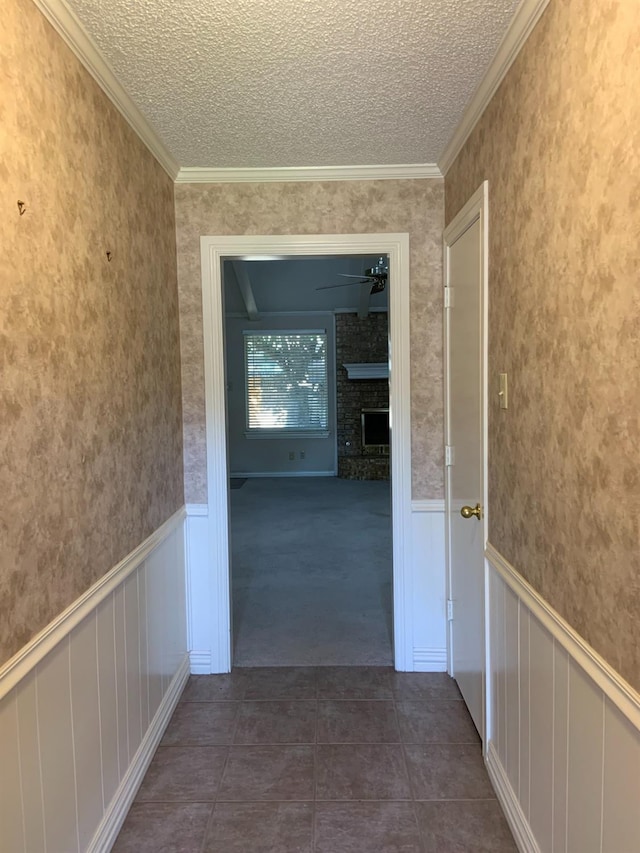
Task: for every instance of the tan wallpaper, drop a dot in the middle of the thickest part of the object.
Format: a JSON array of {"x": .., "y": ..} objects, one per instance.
[
  {"x": 91, "y": 434},
  {"x": 333, "y": 207},
  {"x": 560, "y": 145}
]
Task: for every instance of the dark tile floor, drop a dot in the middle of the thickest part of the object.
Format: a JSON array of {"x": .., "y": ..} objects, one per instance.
[{"x": 318, "y": 760}]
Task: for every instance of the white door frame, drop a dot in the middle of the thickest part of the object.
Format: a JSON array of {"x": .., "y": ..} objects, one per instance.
[
  {"x": 213, "y": 251},
  {"x": 476, "y": 208}
]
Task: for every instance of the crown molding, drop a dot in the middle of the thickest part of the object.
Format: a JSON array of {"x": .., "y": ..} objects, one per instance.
[
  {"x": 523, "y": 22},
  {"x": 194, "y": 175},
  {"x": 67, "y": 25}
]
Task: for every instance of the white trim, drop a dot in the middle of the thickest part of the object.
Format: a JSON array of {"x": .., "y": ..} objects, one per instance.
[
  {"x": 241, "y": 315},
  {"x": 114, "y": 817},
  {"x": 523, "y": 22},
  {"x": 369, "y": 370},
  {"x": 200, "y": 663},
  {"x": 213, "y": 251},
  {"x": 507, "y": 798},
  {"x": 400, "y": 171},
  {"x": 620, "y": 692},
  {"x": 427, "y": 505},
  {"x": 252, "y": 475},
  {"x": 19, "y": 666},
  {"x": 67, "y": 25},
  {"x": 430, "y": 660},
  {"x": 264, "y": 434},
  {"x": 197, "y": 510}
]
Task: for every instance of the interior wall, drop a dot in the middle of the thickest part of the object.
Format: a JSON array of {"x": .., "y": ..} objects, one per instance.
[
  {"x": 332, "y": 207},
  {"x": 560, "y": 146},
  {"x": 90, "y": 405},
  {"x": 271, "y": 455}
]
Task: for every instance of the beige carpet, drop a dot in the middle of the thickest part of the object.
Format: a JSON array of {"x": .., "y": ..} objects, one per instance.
[{"x": 311, "y": 572}]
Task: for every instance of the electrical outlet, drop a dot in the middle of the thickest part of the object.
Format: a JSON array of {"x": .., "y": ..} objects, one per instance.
[
  {"x": 292, "y": 456},
  {"x": 302, "y": 454}
]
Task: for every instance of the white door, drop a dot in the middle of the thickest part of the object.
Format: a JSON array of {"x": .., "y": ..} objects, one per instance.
[{"x": 465, "y": 329}]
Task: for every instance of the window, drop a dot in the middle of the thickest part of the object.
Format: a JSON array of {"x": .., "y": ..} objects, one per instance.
[{"x": 286, "y": 375}]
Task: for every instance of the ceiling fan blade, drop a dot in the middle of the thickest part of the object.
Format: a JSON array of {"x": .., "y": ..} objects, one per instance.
[
  {"x": 346, "y": 275},
  {"x": 346, "y": 284}
]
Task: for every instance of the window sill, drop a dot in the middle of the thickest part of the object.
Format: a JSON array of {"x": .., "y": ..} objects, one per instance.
[{"x": 286, "y": 433}]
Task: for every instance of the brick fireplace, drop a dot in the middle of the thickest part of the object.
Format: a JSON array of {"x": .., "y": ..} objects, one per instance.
[{"x": 360, "y": 341}]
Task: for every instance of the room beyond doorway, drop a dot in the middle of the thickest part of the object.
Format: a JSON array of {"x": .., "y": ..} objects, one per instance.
[{"x": 311, "y": 572}]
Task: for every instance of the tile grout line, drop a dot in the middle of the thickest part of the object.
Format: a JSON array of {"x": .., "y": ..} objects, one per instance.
[
  {"x": 210, "y": 821},
  {"x": 315, "y": 768},
  {"x": 406, "y": 770}
]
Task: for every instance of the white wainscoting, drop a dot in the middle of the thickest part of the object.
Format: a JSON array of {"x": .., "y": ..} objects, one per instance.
[
  {"x": 564, "y": 728},
  {"x": 429, "y": 586},
  {"x": 204, "y": 645},
  {"x": 426, "y": 618},
  {"x": 84, "y": 705}
]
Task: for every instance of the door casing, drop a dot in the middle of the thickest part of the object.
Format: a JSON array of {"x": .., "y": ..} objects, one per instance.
[
  {"x": 476, "y": 209},
  {"x": 214, "y": 249}
]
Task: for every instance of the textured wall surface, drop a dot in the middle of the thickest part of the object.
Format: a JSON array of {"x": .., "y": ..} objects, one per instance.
[
  {"x": 560, "y": 145},
  {"x": 90, "y": 438},
  {"x": 350, "y": 207}
]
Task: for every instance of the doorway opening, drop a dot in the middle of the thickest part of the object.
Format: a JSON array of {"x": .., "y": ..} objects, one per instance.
[
  {"x": 214, "y": 252},
  {"x": 309, "y": 502}
]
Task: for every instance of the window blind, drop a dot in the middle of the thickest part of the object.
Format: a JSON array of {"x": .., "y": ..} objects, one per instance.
[{"x": 286, "y": 376}]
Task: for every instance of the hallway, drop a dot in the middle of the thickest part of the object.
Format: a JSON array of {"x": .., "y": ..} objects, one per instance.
[{"x": 318, "y": 760}]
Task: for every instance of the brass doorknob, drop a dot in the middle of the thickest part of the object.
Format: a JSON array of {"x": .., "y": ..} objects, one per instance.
[{"x": 469, "y": 511}]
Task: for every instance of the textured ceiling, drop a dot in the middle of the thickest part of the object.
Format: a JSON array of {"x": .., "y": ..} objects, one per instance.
[{"x": 262, "y": 83}]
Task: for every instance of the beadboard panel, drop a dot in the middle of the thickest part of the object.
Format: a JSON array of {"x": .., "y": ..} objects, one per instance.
[
  {"x": 564, "y": 739},
  {"x": 428, "y": 579},
  {"x": 89, "y": 704},
  {"x": 201, "y": 605}
]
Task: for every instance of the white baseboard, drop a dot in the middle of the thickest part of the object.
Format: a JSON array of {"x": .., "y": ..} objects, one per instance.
[
  {"x": 506, "y": 796},
  {"x": 430, "y": 660},
  {"x": 200, "y": 663},
  {"x": 115, "y": 815}
]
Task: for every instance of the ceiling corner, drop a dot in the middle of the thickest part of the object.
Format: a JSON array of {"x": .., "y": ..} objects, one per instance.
[
  {"x": 69, "y": 28},
  {"x": 525, "y": 19}
]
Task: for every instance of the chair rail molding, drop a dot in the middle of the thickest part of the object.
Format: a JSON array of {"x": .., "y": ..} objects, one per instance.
[
  {"x": 563, "y": 749},
  {"x": 84, "y": 705},
  {"x": 17, "y": 667}
]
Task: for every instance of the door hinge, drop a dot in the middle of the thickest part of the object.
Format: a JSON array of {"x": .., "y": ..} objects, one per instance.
[
  {"x": 449, "y": 454},
  {"x": 449, "y": 300},
  {"x": 449, "y": 610}
]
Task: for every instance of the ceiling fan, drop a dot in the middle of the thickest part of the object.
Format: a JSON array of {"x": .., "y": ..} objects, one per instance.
[{"x": 376, "y": 275}]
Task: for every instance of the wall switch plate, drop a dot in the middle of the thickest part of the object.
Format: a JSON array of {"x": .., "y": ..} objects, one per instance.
[
  {"x": 292, "y": 456},
  {"x": 503, "y": 393},
  {"x": 302, "y": 454}
]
